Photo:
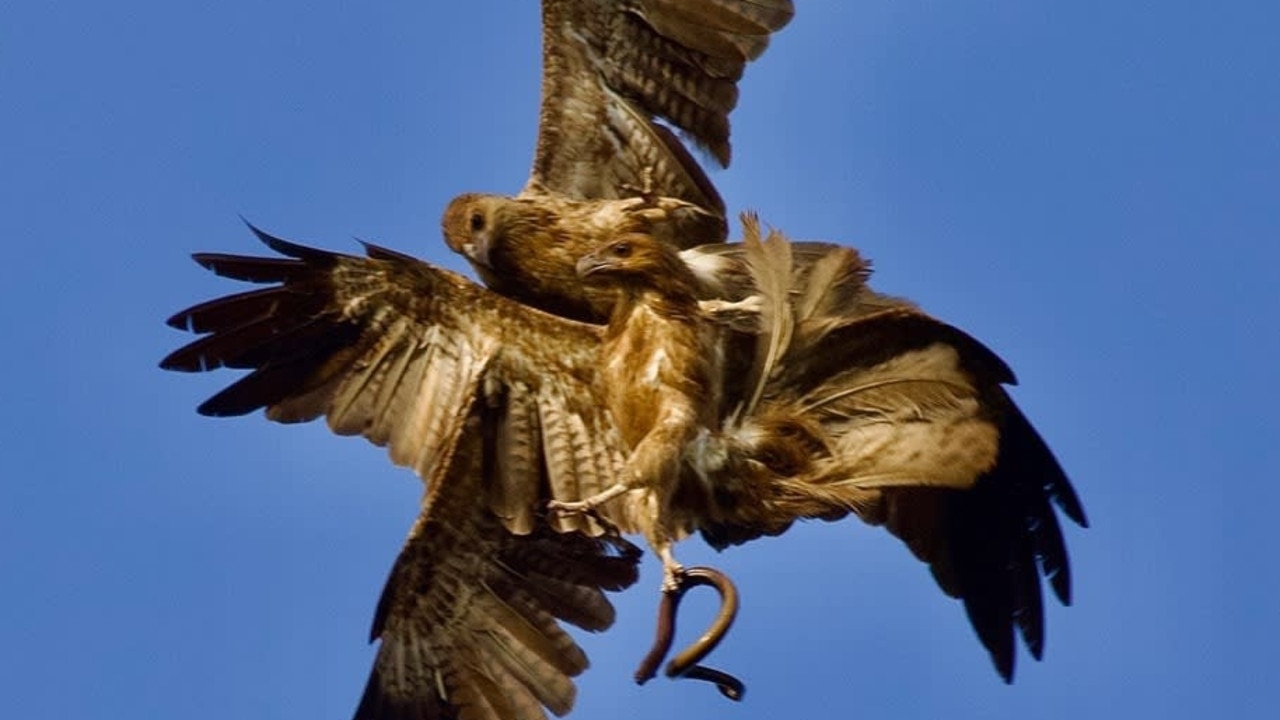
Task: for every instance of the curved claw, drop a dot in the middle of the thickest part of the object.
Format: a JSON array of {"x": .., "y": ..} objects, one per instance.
[{"x": 685, "y": 663}]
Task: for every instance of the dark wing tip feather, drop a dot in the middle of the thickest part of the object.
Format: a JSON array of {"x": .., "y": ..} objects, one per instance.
[
  {"x": 995, "y": 631},
  {"x": 293, "y": 250},
  {"x": 180, "y": 320},
  {"x": 252, "y": 392},
  {"x": 378, "y": 252},
  {"x": 285, "y": 333},
  {"x": 1064, "y": 496},
  {"x": 1053, "y": 479},
  {"x": 1011, "y": 537},
  {"x": 999, "y": 539},
  {"x": 249, "y": 268},
  {"x": 178, "y": 360},
  {"x": 1028, "y": 614}
]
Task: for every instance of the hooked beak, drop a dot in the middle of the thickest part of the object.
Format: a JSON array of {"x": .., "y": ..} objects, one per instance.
[
  {"x": 590, "y": 264},
  {"x": 477, "y": 249}
]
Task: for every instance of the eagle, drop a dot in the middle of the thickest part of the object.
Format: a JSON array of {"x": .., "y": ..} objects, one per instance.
[
  {"x": 809, "y": 396},
  {"x": 606, "y": 163},
  {"x": 828, "y": 400},
  {"x": 658, "y": 373}
]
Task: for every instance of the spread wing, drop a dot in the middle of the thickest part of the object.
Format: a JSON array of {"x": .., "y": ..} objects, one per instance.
[
  {"x": 945, "y": 460},
  {"x": 468, "y": 616},
  {"x": 610, "y": 67},
  {"x": 919, "y": 434},
  {"x": 396, "y": 350},
  {"x": 490, "y": 402},
  {"x": 990, "y": 545}
]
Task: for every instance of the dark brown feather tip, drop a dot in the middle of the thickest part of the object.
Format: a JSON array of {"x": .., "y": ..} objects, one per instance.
[
  {"x": 314, "y": 256},
  {"x": 250, "y": 269},
  {"x": 378, "y": 252}
]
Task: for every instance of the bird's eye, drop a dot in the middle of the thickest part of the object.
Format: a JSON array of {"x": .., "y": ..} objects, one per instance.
[
  {"x": 622, "y": 250},
  {"x": 477, "y": 221}
]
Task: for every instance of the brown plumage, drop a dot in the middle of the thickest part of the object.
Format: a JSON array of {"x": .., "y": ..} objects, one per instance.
[
  {"x": 527, "y": 248},
  {"x": 490, "y": 403},
  {"x": 610, "y": 68},
  {"x": 658, "y": 372},
  {"x": 834, "y": 400},
  {"x": 789, "y": 389},
  {"x": 467, "y": 619},
  {"x": 603, "y": 163}
]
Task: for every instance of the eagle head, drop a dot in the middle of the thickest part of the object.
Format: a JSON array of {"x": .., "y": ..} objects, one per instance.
[
  {"x": 629, "y": 259},
  {"x": 472, "y": 226}
]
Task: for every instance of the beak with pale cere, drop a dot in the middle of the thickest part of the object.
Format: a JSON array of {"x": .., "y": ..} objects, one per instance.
[
  {"x": 609, "y": 257},
  {"x": 592, "y": 264}
]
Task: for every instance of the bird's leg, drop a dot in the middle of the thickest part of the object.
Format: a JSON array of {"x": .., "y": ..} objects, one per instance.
[
  {"x": 672, "y": 570},
  {"x": 653, "y": 469},
  {"x": 588, "y": 505},
  {"x": 659, "y": 536}
]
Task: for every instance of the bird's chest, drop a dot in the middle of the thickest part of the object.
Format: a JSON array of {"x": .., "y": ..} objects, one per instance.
[{"x": 647, "y": 373}]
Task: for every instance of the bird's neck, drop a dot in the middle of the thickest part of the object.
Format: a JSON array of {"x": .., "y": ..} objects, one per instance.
[{"x": 679, "y": 306}]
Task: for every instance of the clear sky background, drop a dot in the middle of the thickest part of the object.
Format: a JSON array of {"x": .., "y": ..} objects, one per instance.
[{"x": 1092, "y": 188}]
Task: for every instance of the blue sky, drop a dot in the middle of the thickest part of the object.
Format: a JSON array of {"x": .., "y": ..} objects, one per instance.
[{"x": 1092, "y": 190}]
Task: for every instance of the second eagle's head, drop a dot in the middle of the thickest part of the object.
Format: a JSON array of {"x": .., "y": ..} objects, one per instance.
[{"x": 635, "y": 260}]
